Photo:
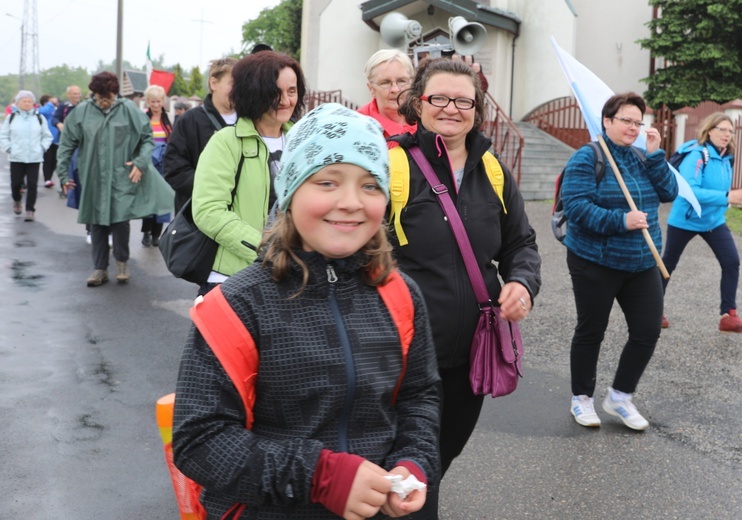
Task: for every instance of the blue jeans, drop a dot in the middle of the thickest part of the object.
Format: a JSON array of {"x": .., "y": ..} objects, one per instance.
[
  {"x": 721, "y": 242},
  {"x": 640, "y": 297}
]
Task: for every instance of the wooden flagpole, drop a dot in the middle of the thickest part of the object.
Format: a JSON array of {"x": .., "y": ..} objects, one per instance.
[{"x": 633, "y": 207}]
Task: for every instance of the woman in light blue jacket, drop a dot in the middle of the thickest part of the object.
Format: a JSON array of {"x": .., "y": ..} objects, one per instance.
[
  {"x": 25, "y": 136},
  {"x": 708, "y": 169}
]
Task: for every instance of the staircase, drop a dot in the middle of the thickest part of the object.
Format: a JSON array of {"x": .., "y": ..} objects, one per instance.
[{"x": 543, "y": 159}]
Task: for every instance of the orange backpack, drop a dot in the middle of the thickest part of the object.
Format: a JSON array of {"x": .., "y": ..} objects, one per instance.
[{"x": 235, "y": 348}]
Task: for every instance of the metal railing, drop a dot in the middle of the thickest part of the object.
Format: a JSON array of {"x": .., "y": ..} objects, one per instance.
[
  {"x": 561, "y": 118},
  {"x": 315, "y": 98},
  {"x": 507, "y": 141}
]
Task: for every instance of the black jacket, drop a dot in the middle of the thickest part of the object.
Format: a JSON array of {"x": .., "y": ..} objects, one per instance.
[
  {"x": 501, "y": 242},
  {"x": 187, "y": 141},
  {"x": 330, "y": 360}
]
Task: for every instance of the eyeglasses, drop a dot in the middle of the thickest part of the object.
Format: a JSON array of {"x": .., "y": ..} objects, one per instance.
[
  {"x": 441, "y": 101},
  {"x": 386, "y": 84},
  {"x": 110, "y": 98},
  {"x": 629, "y": 122},
  {"x": 724, "y": 130}
]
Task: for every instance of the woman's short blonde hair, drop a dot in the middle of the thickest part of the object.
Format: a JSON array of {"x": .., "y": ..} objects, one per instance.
[
  {"x": 154, "y": 92},
  {"x": 709, "y": 123},
  {"x": 219, "y": 67},
  {"x": 386, "y": 56}
]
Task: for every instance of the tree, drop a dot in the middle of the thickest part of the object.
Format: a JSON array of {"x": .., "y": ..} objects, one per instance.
[
  {"x": 55, "y": 80},
  {"x": 701, "y": 45},
  {"x": 111, "y": 67},
  {"x": 196, "y": 83},
  {"x": 279, "y": 27},
  {"x": 179, "y": 86},
  {"x": 8, "y": 89}
]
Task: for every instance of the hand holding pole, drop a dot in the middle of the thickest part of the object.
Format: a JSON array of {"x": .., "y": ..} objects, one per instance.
[{"x": 633, "y": 207}]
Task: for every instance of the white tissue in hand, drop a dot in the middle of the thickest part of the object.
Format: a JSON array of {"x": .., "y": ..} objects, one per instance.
[{"x": 406, "y": 486}]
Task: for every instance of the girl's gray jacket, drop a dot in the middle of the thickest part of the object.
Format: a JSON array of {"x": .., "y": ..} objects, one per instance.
[
  {"x": 330, "y": 360},
  {"x": 25, "y": 136}
]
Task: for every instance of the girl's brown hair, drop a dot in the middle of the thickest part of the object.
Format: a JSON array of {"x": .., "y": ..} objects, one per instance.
[{"x": 282, "y": 239}]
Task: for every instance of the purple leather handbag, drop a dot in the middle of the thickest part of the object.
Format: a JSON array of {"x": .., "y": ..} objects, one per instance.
[{"x": 497, "y": 346}]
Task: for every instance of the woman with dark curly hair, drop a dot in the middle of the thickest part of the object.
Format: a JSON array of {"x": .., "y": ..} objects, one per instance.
[
  {"x": 446, "y": 102},
  {"x": 118, "y": 180},
  {"x": 233, "y": 185}
]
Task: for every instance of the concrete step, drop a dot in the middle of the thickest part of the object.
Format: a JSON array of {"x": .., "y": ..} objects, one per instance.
[{"x": 544, "y": 157}]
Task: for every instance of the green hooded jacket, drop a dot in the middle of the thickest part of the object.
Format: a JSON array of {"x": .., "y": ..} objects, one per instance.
[
  {"x": 237, "y": 231},
  {"x": 106, "y": 142}
]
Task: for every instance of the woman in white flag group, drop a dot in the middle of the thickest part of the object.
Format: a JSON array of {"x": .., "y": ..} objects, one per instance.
[{"x": 610, "y": 260}]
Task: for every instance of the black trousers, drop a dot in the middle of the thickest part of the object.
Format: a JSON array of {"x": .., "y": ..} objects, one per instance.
[
  {"x": 150, "y": 224},
  {"x": 50, "y": 162},
  {"x": 119, "y": 232},
  {"x": 459, "y": 415},
  {"x": 28, "y": 174},
  {"x": 640, "y": 297}
]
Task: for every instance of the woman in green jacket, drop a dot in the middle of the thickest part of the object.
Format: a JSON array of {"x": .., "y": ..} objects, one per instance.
[
  {"x": 233, "y": 184},
  {"x": 118, "y": 181}
]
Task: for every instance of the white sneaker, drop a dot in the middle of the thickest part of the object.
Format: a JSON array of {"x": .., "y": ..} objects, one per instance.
[
  {"x": 110, "y": 241},
  {"x": 626, "y": 410},
  {"x": 584, "y": 411},
  {"x": 88, "y": 239}
]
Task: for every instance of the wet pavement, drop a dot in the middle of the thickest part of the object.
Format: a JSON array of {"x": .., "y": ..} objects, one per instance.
[{"x": 81, "y": 369}]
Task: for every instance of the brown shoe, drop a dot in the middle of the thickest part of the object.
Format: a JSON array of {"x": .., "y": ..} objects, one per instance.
[
  {"x": 99, "y": 277},
  {"x": 17, "y": 207},
  {"x": 665, "y": 323},
  {"x": 730, "y": 322},
  {"x": 122, "y": 272}
]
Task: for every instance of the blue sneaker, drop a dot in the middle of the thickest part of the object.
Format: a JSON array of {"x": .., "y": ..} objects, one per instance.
[
  {"x": 584, "y": 411},
  {"x": 626, "y": 411}
]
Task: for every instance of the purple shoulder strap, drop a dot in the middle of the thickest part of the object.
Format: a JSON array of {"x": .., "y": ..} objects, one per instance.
[{"x": 454, "y": 220}]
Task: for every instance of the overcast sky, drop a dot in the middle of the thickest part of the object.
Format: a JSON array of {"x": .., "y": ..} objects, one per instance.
[{"x": 81, "y": 32}]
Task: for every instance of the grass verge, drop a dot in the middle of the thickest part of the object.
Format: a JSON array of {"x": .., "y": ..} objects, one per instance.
[{"x": 734, "y": 220}]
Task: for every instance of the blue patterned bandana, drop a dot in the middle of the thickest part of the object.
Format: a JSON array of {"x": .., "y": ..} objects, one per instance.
[{"x": 331, "y": 134}]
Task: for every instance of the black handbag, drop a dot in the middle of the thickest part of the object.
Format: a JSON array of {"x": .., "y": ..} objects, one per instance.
[{"x": 188, "y": 253}]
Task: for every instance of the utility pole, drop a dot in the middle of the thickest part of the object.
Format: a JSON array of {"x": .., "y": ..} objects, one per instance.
[
  {"x": 22, "y": 68},
  {"x": 201, "y": 42},
  {"x": 120, "y": 43},
  {"x": 29, "y": 75}
]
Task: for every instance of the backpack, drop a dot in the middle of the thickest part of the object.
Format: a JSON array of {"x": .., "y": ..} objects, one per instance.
[
  {"x": 558, "y": 219},
  {"x": 12, "y": 115},
  {"x": 399, "y": 185},
  {"x": 677, "y": 157},
  {"x": 235, "y": 348}
]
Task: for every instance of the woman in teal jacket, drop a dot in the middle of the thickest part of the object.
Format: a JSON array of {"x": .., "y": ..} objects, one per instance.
[
  {"x": 708, "y": 169},
  {"x": 267, "y": 93}
]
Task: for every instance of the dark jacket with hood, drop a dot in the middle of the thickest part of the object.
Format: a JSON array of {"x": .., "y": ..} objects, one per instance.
[
  {"x": 330, "y": 360},
  {"x": 187, "y": 140},
  {"x": 503, "y": 244}
]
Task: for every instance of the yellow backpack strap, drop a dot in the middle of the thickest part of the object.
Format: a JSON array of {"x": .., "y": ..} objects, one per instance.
[
  {"x": 399, "y": 189},
  {"x": 496, "y": 176}
]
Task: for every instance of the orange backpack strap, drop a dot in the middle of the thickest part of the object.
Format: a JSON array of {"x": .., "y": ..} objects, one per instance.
[
  {"x": 397, "y": 298},
  {"x": 231, "y": 342}
]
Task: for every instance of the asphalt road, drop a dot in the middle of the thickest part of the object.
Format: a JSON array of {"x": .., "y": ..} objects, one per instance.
[{"x": 81, "y": 369}]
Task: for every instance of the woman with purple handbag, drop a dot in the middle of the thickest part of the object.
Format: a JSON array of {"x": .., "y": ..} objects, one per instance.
[{"x": 458, "y": 249}]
